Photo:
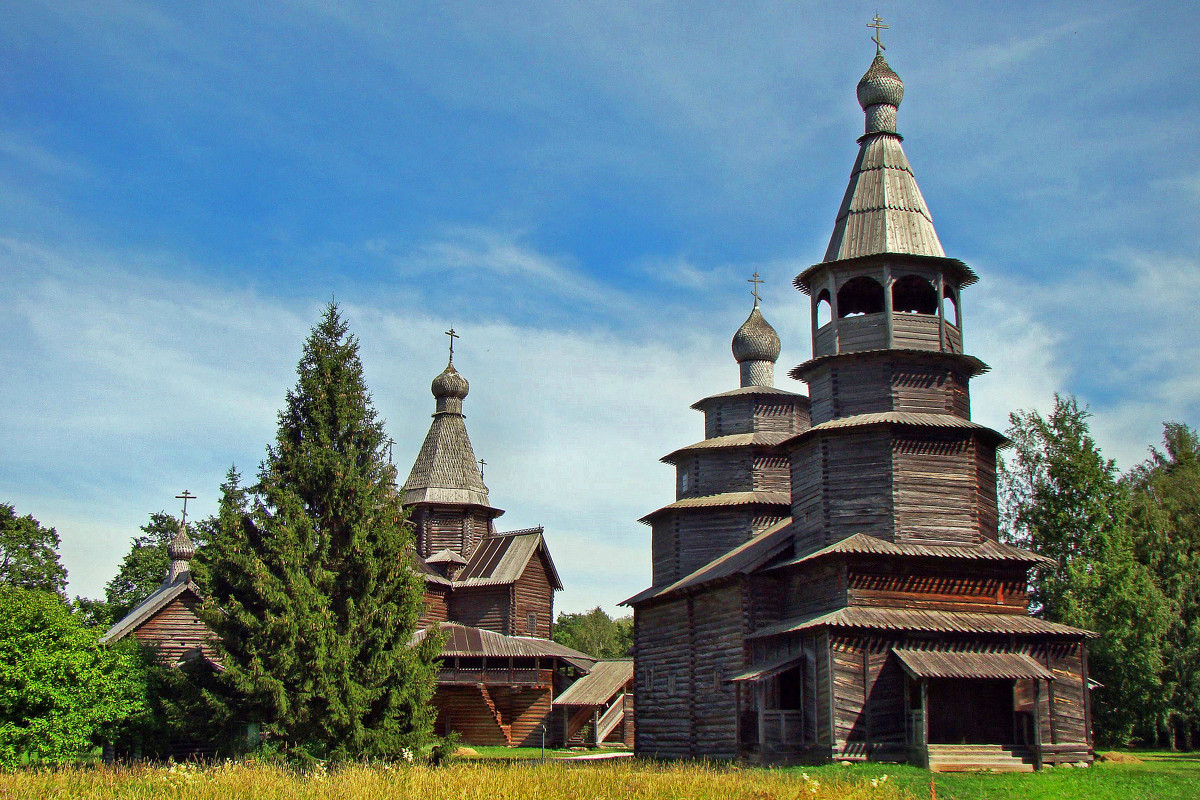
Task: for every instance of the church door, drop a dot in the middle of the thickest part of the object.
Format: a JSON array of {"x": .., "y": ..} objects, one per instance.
[{"x": 970, "y": 711}]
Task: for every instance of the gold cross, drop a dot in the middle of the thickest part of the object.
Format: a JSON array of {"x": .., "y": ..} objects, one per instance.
[
  {"x": 878, "y": 25},
  {"x": 185, "y": 497},
  {"x": 756, "y": 281},
  {"x": 452, "y": 336}
]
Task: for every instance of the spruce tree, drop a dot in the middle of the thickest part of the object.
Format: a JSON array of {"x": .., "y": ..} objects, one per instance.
[{"x": 314, "y": 598}]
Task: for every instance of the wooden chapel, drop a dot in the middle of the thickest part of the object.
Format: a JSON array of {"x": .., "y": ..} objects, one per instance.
[{"x": 829, "y": 583}]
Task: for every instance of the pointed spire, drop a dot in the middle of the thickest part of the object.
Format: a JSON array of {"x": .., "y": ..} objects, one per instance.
[
  {"x": 883, "y": 210},
  {"x": 446, "y": 470},
  {"x": 756, "y": 346}
]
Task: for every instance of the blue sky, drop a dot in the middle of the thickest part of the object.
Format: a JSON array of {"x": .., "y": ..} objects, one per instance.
[{"x": 581, "y": 190}]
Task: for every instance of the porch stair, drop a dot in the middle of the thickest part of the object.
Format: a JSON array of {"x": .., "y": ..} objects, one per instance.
[
  {"x": 968, "y": 757},
  {"x": 611, "y": 719},
  {"x": 504, "y": 729}
]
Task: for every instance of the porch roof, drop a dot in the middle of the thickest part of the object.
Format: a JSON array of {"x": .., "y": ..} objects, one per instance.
[
  {"x": 957, "y": 664},
  {"x": 770, "y": 669}
]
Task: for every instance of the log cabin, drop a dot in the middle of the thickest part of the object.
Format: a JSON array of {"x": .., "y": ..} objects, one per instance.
[{"x": 866, "y": 608}]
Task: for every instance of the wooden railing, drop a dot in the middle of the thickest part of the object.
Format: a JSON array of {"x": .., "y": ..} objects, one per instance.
[
  {"x": 611, "y": 719},
  {"x": 783, "y": 727},
  {"x": 510, "y": 676}
]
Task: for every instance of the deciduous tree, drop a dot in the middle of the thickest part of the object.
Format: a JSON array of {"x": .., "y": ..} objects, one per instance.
[
  {"x": 29, "y": 553},
  {"x": 596, "y": 633},
  {"x": 1062, "y": 499},
  {"x": 60, "y": 693}
]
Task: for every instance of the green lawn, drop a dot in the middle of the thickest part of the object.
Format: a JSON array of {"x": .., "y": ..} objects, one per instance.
[{"x": 1159, "y": 776}]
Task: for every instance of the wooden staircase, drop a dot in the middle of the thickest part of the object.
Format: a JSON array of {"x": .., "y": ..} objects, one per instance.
[
  {"x": 505, "y": 729},
  {"x": 611, "y": 718},
  {"x": 967, "y": 757}
]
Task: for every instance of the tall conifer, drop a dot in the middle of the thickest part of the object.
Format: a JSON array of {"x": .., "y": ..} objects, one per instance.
[{"x": 314, "y": 599}]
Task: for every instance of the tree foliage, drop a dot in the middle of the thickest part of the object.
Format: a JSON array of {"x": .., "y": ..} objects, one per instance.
[
  {"x": 29, "y": 553},
  {"x": 1063, "y": 499},
  {"x": 1165, "y": 494},
  {"x": 60, "y": 693},
  {"x": 313, "y": 596},
  {"x": 595, "y": 633}
]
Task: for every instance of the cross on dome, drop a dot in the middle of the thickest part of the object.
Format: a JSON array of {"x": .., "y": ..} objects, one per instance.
[{"x": 878, "y": 25}]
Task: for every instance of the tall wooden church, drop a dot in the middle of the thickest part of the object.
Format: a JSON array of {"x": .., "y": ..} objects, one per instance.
[{"x": 829, "y": 581}]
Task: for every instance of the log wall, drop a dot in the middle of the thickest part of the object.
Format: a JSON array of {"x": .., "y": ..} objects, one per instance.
[
  {"x": 486, "y": 608},
  {"x": 532, "y": 593},
  {"x": 662, "y": 697},
  {"x": 718, "y": 653},
  {"x": 176, "y": 632},
  {"x": 437, "y": 605},
  {"x": 728, "y": 415},
  {"x": 962, "y": 586},
  {"x": 935, "y": 487}
]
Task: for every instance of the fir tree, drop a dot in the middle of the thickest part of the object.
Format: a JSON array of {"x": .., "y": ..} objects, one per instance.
[{"x": 314, "y": 598}]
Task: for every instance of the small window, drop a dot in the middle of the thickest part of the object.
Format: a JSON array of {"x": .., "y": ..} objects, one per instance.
[
  {"x": 718, "y": 678},
  {"x": 683, "y": 480},
  {"x": 861, "y": 295},
  {"x": 671, "y": 684},
  {"x": 531, "y": 623}
]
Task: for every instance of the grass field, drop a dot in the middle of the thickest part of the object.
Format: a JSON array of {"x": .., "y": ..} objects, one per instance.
[{"x": 1158, "y": 777}]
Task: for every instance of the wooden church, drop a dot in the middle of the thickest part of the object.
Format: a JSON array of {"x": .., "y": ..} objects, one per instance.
[
  {"x": 503, "y": 681},
  {"x": 829, "y": 582}
]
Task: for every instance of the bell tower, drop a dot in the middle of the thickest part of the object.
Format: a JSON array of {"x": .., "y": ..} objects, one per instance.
[{"x": 892, "y": 438}]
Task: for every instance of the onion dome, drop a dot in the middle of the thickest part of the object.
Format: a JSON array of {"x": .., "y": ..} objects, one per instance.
[
  {"x": 879, "y": 93},
  {"x": 756, "y": 349},
  {"x": 450, "y": 384},
  {"x": 180, "y": 550}
]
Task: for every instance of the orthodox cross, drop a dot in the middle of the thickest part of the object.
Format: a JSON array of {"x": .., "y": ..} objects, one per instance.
[
  {"x": 391, "y": 442},
  {"x": 452, "y": 336},
  {"x": 482, "y": 464},
  {"x": 756, "y": 281},
  {"x": 878, "y": 25},
  {"x": 185, "y": 497}
]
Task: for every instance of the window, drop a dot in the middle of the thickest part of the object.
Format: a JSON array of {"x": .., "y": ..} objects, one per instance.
[
  {"x": 531, "y": 623},
  {"x": 860, "y": 295},
  {"x": 671, "y": 684},
  {"x": 683, "y": 480},
  {"x": 912, "y": 294},
  {"x": 718, "y": 678}
]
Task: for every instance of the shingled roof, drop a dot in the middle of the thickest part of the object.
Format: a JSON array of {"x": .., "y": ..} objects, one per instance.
[
  {"x": 501, "y": 559},
  {"x": 908, "y": 620},
  {"x": 446, "y": 470},
  {"x": 865, "y": 544},
  {"x": 742, "y": 559},
  {"x": 724, "y": 499},
  {"x": 145, "y": 610},
  {"x": 465, "y": 641}
]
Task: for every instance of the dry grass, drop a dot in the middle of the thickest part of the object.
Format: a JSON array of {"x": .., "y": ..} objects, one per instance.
[{"x": 474, "y": 781}]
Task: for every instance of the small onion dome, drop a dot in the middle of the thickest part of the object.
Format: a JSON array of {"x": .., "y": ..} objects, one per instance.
[
  {"x": 450, "y": 384},
  {"x": 181, "y": 547},
  {"x": 880, "y": 85},
  {"x": 756, "y": 340}
]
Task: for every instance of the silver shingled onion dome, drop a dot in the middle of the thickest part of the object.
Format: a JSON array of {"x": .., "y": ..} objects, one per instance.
[
  {"x": 181, "y": 547},
  {"x": 756, "y": 340},
  {"x": 880, "y": 85},
  {"x": 450, "y": 384}
]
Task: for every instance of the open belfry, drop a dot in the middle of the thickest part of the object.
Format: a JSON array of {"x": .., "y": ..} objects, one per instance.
[{"x": 829, "y": 582}]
